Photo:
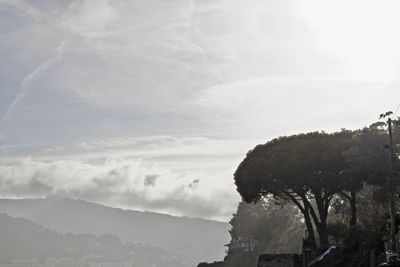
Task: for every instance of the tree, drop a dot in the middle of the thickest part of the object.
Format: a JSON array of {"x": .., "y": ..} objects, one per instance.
[
  {"x": 366, "y": 163},
  {"x": 278, "y": 228},
  {"x": 371, "y": 208},
  {"x": 306, "y": 169}
]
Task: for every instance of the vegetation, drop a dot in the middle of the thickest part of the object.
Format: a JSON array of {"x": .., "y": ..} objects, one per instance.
[
  {"x": 314, "y": 170},
  {"x": 334, "y": 184},
  {"x": 278, "y": 229}
]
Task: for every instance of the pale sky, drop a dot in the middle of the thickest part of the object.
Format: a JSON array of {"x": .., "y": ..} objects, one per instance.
[{"x": 152, "y": 104}]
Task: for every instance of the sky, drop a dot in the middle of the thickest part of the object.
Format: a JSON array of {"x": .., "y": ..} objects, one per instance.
[{"x": 152, "y": 104}]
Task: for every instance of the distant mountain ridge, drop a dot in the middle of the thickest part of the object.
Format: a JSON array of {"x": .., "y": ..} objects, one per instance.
[
  {"x": 24, "y": 241},
  {"x": 198, "y": 239}
]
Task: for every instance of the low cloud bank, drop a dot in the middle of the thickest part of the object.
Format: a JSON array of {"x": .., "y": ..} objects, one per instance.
[{"x": 171, "y": 175}]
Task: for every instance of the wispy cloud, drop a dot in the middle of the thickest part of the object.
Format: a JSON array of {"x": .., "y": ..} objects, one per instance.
[
  {"x": 89, "y": 19},
  {"x": 25, "y": 7},
  {"x": 29, "y": 79}
]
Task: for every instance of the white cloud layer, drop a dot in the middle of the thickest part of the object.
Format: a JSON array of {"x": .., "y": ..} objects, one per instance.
[
  {"x": 123, "y": 182},
  {"x": 181, "y": 176}
]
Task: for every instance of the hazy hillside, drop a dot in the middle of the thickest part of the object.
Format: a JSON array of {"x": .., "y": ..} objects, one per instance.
[
  {"x": 21, "y": 239},
  {"x": 200, "y": 240}
]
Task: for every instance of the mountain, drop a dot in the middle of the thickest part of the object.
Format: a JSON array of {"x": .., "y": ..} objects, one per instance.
[
  {"x": 24, "y": 241},
  {"x": 197, "y": 239}
]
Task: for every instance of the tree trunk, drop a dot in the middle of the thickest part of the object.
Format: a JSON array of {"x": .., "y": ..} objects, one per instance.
[
  {"x": 322, "y": 228},
  {"x": 309, "y": 225},
  {"x": 305, "y": 210},
  {"x": 323, "y": 233}
]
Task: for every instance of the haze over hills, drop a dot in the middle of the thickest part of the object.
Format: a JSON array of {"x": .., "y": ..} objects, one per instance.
[
  {"x": 24, "y": 241},
  {"x": 198, "y": 239}
]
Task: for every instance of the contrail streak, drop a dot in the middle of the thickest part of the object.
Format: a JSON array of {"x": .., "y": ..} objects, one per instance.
[
  {"x": 24, "y": 7},
  {"x": 29, "y": 79}
]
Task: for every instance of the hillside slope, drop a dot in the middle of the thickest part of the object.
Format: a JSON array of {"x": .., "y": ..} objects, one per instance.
[
  {"x": 21, "y": 239},
  {"x": 201, "y": 240}
]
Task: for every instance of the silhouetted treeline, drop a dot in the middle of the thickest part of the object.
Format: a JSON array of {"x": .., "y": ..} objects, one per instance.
[
  {"x": 334, "y": 185},
  {"x": 313, "y": 170}
]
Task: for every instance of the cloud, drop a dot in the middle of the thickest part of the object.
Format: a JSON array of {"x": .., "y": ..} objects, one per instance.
[
  {"x": 273, "y": 106},
  {"x": 122, "y": 182},
  {"x": 161, "y": 174},
  {"x": 150, "y": 180},
  {"x": 180, "y": 63},
  {"x": 159, "y": 56},
  {"x": 25, "y": 7},
  {"x": 179, "y": 67},
  {"x": 29, "y": 79},
  {"x": 89, "y": 19},
  {"x": 194, "y": 184}
]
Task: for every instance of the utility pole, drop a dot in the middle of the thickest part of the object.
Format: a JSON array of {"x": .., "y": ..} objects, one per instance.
[
  {"x": 393, "y": 243},
  {"x": 393, "y": 246}
]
